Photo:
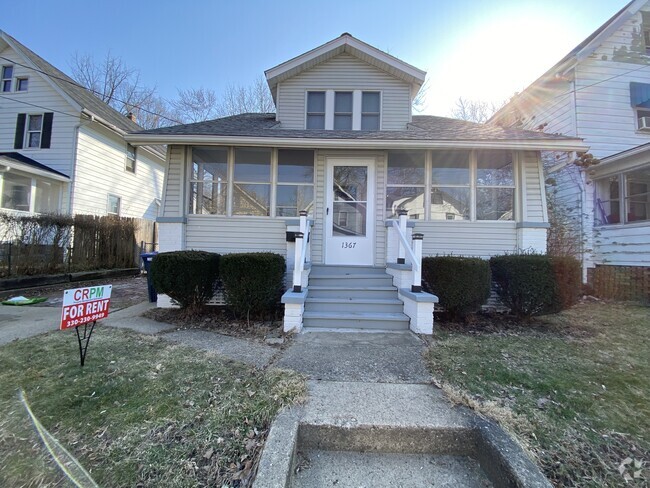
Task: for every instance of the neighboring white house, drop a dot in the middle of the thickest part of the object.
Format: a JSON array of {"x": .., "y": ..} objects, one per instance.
[
  {"x": 63, "y": 150},
  {"x": 600, "y": 92},
  {"x": 344, "y": 147}
]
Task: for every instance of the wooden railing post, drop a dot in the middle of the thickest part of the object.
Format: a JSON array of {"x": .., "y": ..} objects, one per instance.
[
  {"x": 416, "y": 286},
  {"x": 297, "y": 265},
  {"x": 401, "y": 253}
]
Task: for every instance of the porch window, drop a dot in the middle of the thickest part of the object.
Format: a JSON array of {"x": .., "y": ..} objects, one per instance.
[
  {"x": 47, "y": 196},
  {"x": 316, "y": 110},
  {"x": 623, "y": 198},
  {"x": 495, "y": 185},
  {"x": 295, "y": 188},
  {"x": 370, "y": 102},
  {"x": 252, "y": 182},
  {"x": 405, "y": 185},
  {"x": 450, "y": 185},
  {"x": 16, "y": 192},
  {"x": 343, "y": 111},
  {"x": 209, "y": 181}
]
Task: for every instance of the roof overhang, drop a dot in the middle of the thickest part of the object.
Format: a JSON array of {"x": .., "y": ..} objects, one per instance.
[
  {"x": 311, "y": 143},
  {"x": 636, "y": 157},
  {"x": 26, "y": 168},
  {"x": 351, "y": 45}
]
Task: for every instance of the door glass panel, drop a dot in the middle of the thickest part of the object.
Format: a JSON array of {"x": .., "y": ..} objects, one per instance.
[
  {"x": 350, "y": 183},
  {"x": 349, "y": 219}
]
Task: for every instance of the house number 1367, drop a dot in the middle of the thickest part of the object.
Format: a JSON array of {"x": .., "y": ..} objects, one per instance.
[{"x": 348, "y": 245}]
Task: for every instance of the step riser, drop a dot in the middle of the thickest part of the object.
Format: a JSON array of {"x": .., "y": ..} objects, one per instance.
[
  {"x": 350, "y": 282},
  {"x": 353, "y": 293},
  {"x": 331, "y": 323},
  {"x": 343, "y": 270},
  {"x": 352, "y": 306}
]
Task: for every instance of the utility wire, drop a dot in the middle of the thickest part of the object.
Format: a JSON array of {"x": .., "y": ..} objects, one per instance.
[
  {"x": 39, "y": 106},
  {"x": 96, "y": 92}
]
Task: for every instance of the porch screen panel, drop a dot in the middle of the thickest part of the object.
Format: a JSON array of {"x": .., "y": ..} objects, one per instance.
[
  {"x": 295, "y": 183},
  {"x": 450, "y": 185},
  {"x": 406, "y": 184},
  {"x": 637, "y": 195},
  {"x": 495, "y": 185},
  {"x": 16, "y": 191},
  {"x": 252, "y": 182},
  {"x": 209, "y": 181},
  {"x": 350, "y": 190}
]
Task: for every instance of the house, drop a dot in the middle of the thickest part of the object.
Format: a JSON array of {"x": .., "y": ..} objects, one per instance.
[
  {"x": 63, "y": 150},
  {"x": 600, "y": 92},
  {"x": 323, "y": 182}
]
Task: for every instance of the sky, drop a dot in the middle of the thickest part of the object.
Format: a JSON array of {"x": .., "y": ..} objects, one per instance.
[{"x": 483, "y": 50}]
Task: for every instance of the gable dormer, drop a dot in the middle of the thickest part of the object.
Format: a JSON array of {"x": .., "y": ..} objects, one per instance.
[{"x": 344, "y": 84}]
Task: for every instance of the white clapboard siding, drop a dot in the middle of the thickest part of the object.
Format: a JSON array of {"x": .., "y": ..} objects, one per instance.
[
  {"x": 624, "y": 245},
  {"x": 100, "y": 171},
  {"x": 534, "y": 202},
  {"x": 39, "y": 94},
  {"x": 478, "y": 239},
  {"x": 174, "y": 180},
  {"x": 227, "y": 235},
  {"x": 344, "y": 72},
  {"x": 317, "y": 254}
]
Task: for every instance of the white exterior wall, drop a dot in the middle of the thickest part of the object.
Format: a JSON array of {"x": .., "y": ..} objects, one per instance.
[
  {"x": 344, "y": 73},
  {"x": 623, "y": 245},
  {"x": 100, "y": 171},
  {"x": 461, "y": 238}
]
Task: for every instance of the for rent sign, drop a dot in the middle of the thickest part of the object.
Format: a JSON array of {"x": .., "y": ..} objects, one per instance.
[{"x": 84, "y": 305}]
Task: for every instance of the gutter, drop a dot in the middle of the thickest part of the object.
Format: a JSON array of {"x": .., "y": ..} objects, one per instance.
[{"x": 311, "y": 143}]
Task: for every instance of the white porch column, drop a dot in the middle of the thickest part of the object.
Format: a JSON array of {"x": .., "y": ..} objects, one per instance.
[{"x": 171, "y": 237}]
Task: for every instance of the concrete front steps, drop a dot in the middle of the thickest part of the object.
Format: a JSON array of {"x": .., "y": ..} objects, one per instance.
[{"x": 353, "y": 297}]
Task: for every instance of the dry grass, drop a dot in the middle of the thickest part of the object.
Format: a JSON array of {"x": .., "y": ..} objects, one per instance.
[
  {"x": 141, "y": 412},
  {"x": 573, "y": 387}
]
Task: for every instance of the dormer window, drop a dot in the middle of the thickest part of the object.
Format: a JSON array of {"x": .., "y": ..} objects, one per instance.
[
  {"x": 316, "y": 110},
  {"x": 370, "y": 102},
  {"x": 343, "y": 111},
  {"x": 7, "y": 75},
  {"x": 21, "y": 84}
]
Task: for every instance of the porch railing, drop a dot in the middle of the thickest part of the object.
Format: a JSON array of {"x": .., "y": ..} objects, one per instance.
[
  {"x": 412, "y": 251},
  {"x": 302, "y": 251}
]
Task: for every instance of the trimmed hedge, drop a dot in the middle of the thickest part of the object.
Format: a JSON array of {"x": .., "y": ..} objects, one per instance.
[
  {"x": 253, "y": 282},
  {"x": 525, "y": 283},
  {"x": 568, "y": 280},
  {"x": 461, "y": 284},
  {"x": 188, "y": 277}
]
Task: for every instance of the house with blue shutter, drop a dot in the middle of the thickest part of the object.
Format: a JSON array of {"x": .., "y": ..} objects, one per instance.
[
  {"x": 600, "y": 92},
  {"x": 63, "y": 150},
  {"x": 352, "y": 188}
]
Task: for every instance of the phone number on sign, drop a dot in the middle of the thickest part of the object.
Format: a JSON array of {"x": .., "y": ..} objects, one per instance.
[{"x": 85, "y": 320}]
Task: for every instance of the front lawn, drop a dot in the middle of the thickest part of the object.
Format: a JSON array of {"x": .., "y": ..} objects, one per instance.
[
  {"x": 141, "y": 412},
  {"x": 574, "y": 387}
]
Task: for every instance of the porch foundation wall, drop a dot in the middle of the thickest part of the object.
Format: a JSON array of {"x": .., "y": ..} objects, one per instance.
[{"x": 532, "y": 239}]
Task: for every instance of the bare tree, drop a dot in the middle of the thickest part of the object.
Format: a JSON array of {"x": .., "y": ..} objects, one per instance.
[
  {"x": 239, "y": 99},
  {"x": 195, "y": 105},
  {"x": 474, "y": 110},
  {"x": 421, "y": 97}
]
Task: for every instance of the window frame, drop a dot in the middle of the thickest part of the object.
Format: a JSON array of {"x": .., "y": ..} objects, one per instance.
[
  {"x": 513, "y": 186},
  {"x": 349, "y": 114},
  {"x": 28, "y": 131},
  {"x": 6, "y": 79},
  {"x": 131, "y": 168},
  {"x": 316, "y": 114},
  {"x": 33, "y": 190},
  {"x": 108, "y": 205},
  {"x": 20, "y": 79},
  {"x": 623, "y": 200},
  {"x": 378, "y": 114}
]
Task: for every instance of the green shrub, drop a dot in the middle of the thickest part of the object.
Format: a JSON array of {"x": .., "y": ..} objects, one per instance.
[
  {"x": 568, "y": 280},
  {"x": 461, "y": 284},
  {"x": 253, "y": 282},
  {"x": 188, "y": 277},
  {"x": 525, "y": 283}
]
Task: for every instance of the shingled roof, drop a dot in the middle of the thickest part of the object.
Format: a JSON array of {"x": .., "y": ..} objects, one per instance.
[
  {"x": 83, "y": 97},
  {"x": 422, "y": 128}
]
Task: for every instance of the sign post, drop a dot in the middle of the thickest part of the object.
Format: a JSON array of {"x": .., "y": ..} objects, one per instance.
[{"x": 83, "y": 306}]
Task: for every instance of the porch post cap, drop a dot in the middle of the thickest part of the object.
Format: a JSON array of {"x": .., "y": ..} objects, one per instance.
[
  {"x": 418, "y": 237},
  {"x": 402, "y": 211},
  {"x": 303, "y": 213}
]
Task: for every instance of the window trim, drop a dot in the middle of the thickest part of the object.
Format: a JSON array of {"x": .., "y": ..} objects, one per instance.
[
  {"x": 330, "y": 107},
  {"x": 4, "y": 79},
  {"x": 26, "y": 137},
  {"x": 108, "y": 205}
]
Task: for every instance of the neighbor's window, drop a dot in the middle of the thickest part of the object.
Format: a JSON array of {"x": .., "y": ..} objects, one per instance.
[
  {"x": 34, "y": 130},
  {"x": 295, "y": 188},
  {"x": 450, "y": 185},
  {"x": 130, "y": 158},
  {"x": 16, "y": 191},
  {"x": 405, "y": 186},
  {"x": 370, "y": 111},
  {"x": 608, "y": 201},
  {"x": 252, "y": 182},
  {"x": 47, "y": 196},
  {"x": 113, "y": 205},
  {"x": 7, "y": 75},
  {"x": 209, "y": 181},
  {"x": 637, "y": 195},
  {"x": 21, "y": 84},
  {"x": 343, "y": 111},
  {"x": 316, "y": 110},
  {"x": 495, "y": 185}
]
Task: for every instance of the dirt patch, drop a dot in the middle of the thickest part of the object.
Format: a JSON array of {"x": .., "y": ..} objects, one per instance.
[{"x": 219, "y": 320}]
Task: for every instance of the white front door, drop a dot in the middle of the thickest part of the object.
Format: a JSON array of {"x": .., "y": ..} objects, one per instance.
[{"x": 349, "y": 212}]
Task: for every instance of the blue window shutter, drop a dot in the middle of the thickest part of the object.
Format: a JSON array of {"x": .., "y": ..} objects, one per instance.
[{"x": 639, "y": 94}]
